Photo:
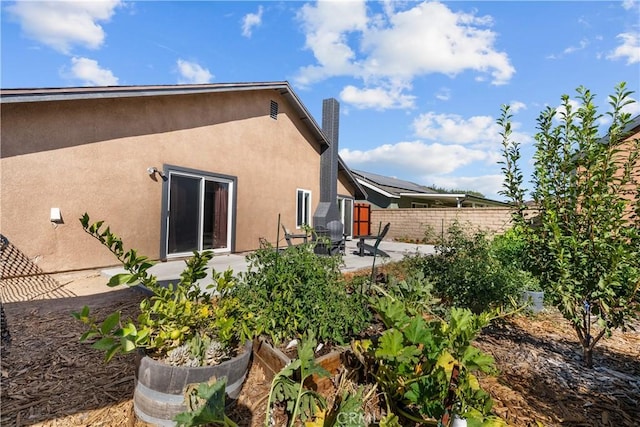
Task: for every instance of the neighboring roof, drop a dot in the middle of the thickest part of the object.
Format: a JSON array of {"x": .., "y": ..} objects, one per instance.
[
  {"x": 397, "y": 188},
  {"x": 103, "y": 92},
  {"x": 392, "y": 186},
  {"x": 634, "y": 125},
  {"x": 631, "y": 128}
]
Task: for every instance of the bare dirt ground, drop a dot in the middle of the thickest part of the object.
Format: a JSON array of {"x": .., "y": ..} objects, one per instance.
[{"x": 49, "y": 378}]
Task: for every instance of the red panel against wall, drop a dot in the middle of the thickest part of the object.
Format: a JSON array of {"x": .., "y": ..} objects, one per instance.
[{"x": 361, "y": 219}]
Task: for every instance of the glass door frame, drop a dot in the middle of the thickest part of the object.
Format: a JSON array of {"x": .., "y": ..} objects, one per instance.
[
  {"x": 170, "y": 170},
  {"x": 342, "y": 202}
]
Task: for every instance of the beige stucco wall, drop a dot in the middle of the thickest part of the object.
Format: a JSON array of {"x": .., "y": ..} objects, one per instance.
[{"x": 93, "y": 155}]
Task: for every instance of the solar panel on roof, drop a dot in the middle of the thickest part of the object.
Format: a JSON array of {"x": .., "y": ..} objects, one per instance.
[{"x": 388, "y": 181}]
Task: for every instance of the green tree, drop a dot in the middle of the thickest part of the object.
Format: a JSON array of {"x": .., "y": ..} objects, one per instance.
[{"x": 584, "y": 242}]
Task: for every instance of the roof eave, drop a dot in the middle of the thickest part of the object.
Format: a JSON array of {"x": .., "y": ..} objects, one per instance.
[
  {"x": 376, "y": 189},
  {"x": 360, "y": 192}
]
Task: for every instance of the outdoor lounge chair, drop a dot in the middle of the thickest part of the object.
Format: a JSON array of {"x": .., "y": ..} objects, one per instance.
[
  {"x": 330, "y": 240},
  {"x": 365, "y": 248},
  {"x": 289, "y": 237}
]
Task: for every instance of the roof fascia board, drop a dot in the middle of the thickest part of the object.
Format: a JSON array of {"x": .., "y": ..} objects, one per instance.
[
  {"x": 434, "y": 196},
  {"x": 376, "y": 189},
  {"x": 359, "y": 188},
  {"x": 452, "y": 196},
  {"x": 74, "y": 93}
]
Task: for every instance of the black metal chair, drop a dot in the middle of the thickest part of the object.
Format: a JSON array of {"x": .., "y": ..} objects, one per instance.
[
  {"x": 330, "y": 240},
  {"x": 365, "y": 248}
]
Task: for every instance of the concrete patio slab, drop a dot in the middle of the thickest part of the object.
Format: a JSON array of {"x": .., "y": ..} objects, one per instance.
[{"x": 169, "y": 271}]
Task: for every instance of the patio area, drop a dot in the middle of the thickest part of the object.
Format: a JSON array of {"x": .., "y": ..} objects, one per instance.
[
  {"x": 69, "y": 285},
  {"x": 170, "y": 271}
]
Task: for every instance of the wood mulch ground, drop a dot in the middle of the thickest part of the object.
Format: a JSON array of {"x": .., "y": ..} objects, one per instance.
[{"x": 49, "y": 378}]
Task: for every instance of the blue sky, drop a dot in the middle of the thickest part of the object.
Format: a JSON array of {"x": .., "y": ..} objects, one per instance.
[{"x": 420, "y": 84}]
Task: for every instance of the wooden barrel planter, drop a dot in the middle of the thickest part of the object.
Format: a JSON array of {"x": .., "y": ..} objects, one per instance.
[
  {"x": 272, "y": 360},
  {"x": 158, "y": 395}
]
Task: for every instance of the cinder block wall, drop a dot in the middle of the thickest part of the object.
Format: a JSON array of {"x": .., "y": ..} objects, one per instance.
[{"x": 411, "y": 224}]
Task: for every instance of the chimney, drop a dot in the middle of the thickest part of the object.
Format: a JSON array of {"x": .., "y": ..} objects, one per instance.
[{"x": 327, "y": 210}]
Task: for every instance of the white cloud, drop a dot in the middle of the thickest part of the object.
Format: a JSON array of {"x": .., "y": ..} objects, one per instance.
[
  {"x": 64, "y": 24},
  {"x": 250, "y": 21},
  {"x": 444, "y": 94},
  {"x": 633, "y": 108},
  {"x": 327, "y": 26},
  {"x": 192, "y": 73},
  {"x": 571, "y": 49},
  {"x": 90, "y": 72},
  {"x": 376, "y": 98},
  {"x": 605, "y": 120},
  {"x": 393, "y": 47},
  {"x": 431, "y": 38},
  {"x": 455, "y": 145},
  {"x": 415, "y": 157},
  {"x": 629, "y": 49},
  {"x": 561, "y": 111},
  {"x": 517, "y": 106},
  {"x": 628, "y": 4},
  {"x": 452, "y": 128}
]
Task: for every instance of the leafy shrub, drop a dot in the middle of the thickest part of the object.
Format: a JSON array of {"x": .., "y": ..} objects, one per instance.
[
  {"x": 414, "y": 290},
  {"x": 511, "y": 250},
  {"x": 413, "y": 360},
  {"x": 180, "y": 324},
  {"x": 466, "y": 274},
  {"x": 286, "y": 293}
]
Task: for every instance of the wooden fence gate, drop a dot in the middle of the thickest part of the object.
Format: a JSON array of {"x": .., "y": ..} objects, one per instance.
[{"x": 361, "y": 219}]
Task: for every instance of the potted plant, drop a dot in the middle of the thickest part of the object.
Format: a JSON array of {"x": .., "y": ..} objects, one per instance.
[
  {"x": 183, "y": 335},
  {"x": 533, "y": 294}
]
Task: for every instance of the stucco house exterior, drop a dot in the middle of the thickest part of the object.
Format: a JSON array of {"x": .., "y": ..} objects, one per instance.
[
  {"x": 392, "y": 193},
  {"x": 171, "y": 169}
]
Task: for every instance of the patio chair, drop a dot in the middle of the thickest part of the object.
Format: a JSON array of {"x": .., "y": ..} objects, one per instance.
[
  {"x": 289, "y": 237},
  {"x": 365, "y": 248},
  {"x": 330, "y": 240}
]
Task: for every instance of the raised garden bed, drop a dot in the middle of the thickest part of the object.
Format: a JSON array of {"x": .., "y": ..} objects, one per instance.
[{"x": 272, "y": 359}]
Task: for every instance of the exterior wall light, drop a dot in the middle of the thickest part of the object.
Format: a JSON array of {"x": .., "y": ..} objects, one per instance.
[
  {"x": 56, "y": 216},
  {"x": 152, "y": 171}
]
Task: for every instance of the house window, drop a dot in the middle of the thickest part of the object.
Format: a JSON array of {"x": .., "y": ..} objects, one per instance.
[
  {"x": 419, "y": 205},
  {"x": 303, "y": 208}
]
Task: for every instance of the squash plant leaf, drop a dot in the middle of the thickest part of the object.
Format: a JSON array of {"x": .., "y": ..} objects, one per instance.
[
  {"x": 475, "y": 359},
  {"x": 391, "y": 345},
  {"x": 417, "y": 332}
]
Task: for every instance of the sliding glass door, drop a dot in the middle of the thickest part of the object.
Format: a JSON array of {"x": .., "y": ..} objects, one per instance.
[{"x": 199, "y": 213}]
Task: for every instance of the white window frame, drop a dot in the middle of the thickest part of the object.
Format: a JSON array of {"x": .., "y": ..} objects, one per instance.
[
  {"x": 306, "y": 210},
  {"x": 343, "y": 202}
]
